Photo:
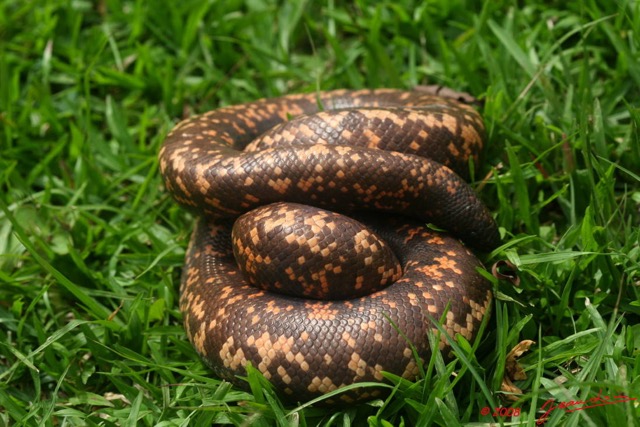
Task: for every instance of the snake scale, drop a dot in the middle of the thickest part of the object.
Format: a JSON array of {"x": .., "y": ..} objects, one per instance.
[{"x": 271, "y": 181}]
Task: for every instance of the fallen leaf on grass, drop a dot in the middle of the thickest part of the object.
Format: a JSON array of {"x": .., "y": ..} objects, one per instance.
[{"x": 513, "y": 370}]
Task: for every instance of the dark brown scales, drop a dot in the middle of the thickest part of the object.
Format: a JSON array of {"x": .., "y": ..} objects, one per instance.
[
  {"x": 307, "y": 348},
  {"x": 307, "y": 252}
]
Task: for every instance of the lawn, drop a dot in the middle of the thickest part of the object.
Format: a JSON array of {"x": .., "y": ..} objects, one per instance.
[{"x": 92, "y": 246}]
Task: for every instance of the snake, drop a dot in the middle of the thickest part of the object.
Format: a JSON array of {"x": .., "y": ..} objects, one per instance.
[{"x": 333, "y": 231}]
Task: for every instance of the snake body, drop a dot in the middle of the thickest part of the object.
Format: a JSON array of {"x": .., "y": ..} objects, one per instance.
[{"x": 389, "y": 152}]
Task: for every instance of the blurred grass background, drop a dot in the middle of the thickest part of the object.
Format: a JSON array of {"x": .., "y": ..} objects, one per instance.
[{"x": 91, "y": 246}]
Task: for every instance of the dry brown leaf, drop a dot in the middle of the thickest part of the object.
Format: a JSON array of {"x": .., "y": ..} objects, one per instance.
[
  {"x": 513, "y": 370},
  {"x": 510, "y": 389},
  {"x": 446, "y": 92},
  {"x": 506, "y": 270}
]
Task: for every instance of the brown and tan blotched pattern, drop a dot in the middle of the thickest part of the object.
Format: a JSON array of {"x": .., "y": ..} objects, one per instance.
[
  {"x": 308, "y": 252},
  {"x": 383, "y": 151}
]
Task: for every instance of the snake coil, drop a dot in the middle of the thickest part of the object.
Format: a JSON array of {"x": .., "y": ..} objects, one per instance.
[{"x": 385, "y": 157}]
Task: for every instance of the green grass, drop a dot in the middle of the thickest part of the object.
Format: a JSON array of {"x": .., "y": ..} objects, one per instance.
[{"x": 91, "y": 246}]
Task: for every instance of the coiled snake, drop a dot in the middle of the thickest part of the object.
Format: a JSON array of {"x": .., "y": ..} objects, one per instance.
[{"x": 383, "y": 151}]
